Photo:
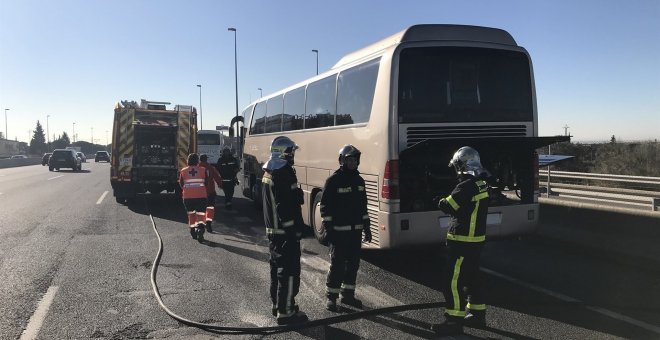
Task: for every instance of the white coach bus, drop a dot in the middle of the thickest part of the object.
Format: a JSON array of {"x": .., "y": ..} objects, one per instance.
[
  {"x": 408, "y": 102},
  {"x": 210, "y": 142}
]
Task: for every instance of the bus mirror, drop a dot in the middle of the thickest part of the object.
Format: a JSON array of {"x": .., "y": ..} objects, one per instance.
[{"x": 231, "y": 132}]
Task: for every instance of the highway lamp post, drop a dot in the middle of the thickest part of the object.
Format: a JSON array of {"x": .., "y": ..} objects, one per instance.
[
  {"x": 92, "y": 135},
  {"x": 106, "y": 139},
  {"x": 47, "y": 133},
  {"x": 317, "y": 61},
  {"x": 261, "y": 94},
  {"x": 6, "y": 135},
  {"x": 201, "y": 121},
  {"x": 238, "y": 141},
  {"x": 73, "y": 133}
]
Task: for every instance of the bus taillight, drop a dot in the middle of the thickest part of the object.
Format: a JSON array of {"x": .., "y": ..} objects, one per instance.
[{"x": 390, "y": 188}]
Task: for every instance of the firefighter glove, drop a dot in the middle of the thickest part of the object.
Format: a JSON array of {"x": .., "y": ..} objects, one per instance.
[{"x": 367, "y": 234}]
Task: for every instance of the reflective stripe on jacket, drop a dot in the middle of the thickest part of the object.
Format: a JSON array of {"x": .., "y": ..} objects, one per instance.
[
  {"x": 193, "y": 182},
  {"x": 468, "y": 207},
  {"x": 282, "y": 212}
]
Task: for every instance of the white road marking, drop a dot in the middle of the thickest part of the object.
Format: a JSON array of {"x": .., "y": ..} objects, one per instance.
[
  {"x": 37, "y": 319},
  {"x": 56, "y": 177},
  {"x": 566, "y": 298},
  {"x": 102, "y": 197}
]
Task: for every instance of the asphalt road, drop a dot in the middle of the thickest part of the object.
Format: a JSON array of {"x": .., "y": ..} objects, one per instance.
[{"x": 76, "y": 265}]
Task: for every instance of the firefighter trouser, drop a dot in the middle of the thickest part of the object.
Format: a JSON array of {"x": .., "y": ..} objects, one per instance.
[
  {"x": 344, "y": 263},
  {"x": 462, "y": 286},
  {"x": 228, "y": 189},
  {"x": 211, "y": 199},
  {"x": 284, "y": 273}
]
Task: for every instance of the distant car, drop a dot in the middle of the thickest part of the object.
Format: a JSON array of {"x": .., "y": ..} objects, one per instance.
[
  {"x": 102, "y": 156},
  {"x": 45, "y": 158},
  {"x": 82, "y": 157},
  {"x": 62, "y": 158},
  {"x": 18, "y": 156}
]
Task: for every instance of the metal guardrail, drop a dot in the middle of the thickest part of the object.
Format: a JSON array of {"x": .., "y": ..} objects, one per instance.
[{"x": 639, "y": 192}]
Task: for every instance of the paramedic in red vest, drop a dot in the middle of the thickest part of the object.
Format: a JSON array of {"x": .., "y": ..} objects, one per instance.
[
  {"x": 213, "y": 180},
  {"x": 192, "y": 180}
]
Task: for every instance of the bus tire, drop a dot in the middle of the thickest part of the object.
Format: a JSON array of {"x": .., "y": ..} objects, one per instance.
[
  {"x": 256, "y": 195},
  {"x": 315, "y": 221}
]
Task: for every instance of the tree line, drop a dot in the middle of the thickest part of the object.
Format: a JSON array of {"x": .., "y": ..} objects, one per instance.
[
  {"x": 637, "y": 159},
  {"x": 39, "y": 146}
]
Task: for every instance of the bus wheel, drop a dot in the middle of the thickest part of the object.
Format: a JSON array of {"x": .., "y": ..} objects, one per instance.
[
  {"x": 317, "y": 223},
  {"x": 256, "y": 195}
]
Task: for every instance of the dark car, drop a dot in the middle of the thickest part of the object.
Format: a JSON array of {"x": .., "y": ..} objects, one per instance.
[
  {"x": 102, "y": 156},
  {"x": 45, "y": 158},
  {"x": 63, "y": 158},
  {"x": 82, "y": 157}
]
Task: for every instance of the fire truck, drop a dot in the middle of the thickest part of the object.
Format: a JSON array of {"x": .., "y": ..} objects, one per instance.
[{"x": 150, "y": 145}]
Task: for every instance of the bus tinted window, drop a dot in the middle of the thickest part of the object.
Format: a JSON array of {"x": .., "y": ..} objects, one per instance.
[
  {"x": 464, "y": 84},
  {"x": 274, "y": 114},
  {"x": 294, "y": 109},
  {"x": 355, "y": 93},
  {"x": 208, "y": 139},
  {"x": 320, "y": 104},
  {"x": 259, "y": 119}
]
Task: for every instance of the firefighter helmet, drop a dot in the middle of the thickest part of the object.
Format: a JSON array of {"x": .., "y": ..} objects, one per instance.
[
  {"x": 282, "y": 151},
  {"x": 466, "y": 161},
  {"x": 348, "y": 150}
]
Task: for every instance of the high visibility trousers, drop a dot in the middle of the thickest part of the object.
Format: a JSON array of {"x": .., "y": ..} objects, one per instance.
[
  {"x": 284, "y": 273},
  {"x": 196, "y": 209},
  {"x": 462, "y": 281},
  {"x": 344, "y": 264}
]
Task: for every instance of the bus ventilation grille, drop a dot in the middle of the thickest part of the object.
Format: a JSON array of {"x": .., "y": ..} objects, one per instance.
[
  {"x": 416, "y": 134},
  {"x": 372, "y": 208}
]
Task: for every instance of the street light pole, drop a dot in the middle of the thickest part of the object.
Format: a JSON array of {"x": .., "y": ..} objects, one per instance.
[
  {"x": 201, "y": 121},
  {"x": 317, "y": 61},
  {"x": 73, "y": 134},
  {"x": 238, "y": 141},
  {"x": 261, "y": 93},
  {"x": 92, "y": 135},
  {"x": 6, "y": 135},
  {"x": 48, "y": 132}
]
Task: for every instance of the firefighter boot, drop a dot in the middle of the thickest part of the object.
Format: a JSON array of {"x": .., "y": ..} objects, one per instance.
[
  {"x": 451, "y": 326},
  {"x": 351, "y": 301},
  {"x": 193, "y": 233},
  {"x": 331, "y": 305},
  {"x": 294, "y": 318},
  {"x": 475, "y": 319},
  {"x": 208, "y": 226},
  {"x": 274, "y": 310}
]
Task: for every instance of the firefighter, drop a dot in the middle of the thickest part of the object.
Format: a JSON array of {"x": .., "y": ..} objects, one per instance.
[
  {"x": 282, "y": 199},
  {"x": 468, "y": 207},
  {"x": 213, "y": 180},
  {"x": 345, "y": 218},
  {"x": 228, "y": 167},
  {"x": 192, "y": 180}
]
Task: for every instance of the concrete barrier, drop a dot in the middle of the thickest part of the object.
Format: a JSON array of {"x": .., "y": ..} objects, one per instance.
[{"x": 11, "y": 163}]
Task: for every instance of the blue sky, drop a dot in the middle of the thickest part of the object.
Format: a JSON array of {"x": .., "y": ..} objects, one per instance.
[{"x": 596, "y": 63}]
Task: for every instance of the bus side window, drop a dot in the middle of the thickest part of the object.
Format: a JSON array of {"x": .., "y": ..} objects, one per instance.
[
  {"x": 320, "y": 105},
  {"x": 259, "y": 120},
  {"x": 274, "y": 114},
  {"x": 294, "y": 109},
  {"x": 355, "y": 93}
]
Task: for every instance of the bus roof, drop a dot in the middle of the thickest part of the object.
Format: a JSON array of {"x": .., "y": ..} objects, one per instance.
[{"x": 430, "y": 32}]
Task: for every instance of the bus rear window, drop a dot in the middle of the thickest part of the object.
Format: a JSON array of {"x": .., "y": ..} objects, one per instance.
[
  {"x": 464, "y": 84},
  {"x": 208, "y": 139}
]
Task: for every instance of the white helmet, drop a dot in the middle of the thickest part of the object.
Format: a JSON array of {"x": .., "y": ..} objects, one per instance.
[{"x": 466, "y": 161}]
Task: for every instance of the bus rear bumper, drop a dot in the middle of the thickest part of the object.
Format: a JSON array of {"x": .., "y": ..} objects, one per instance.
[{"x": 426, "y": 228}]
